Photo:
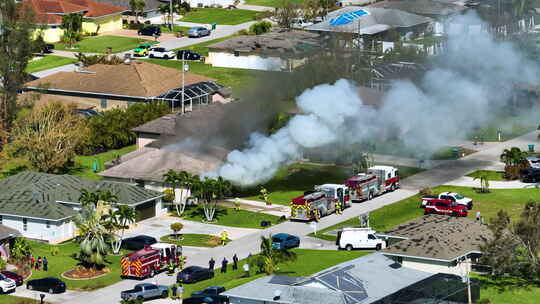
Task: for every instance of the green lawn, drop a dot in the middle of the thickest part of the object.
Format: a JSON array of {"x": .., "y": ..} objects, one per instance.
[
  {"x": 193, "y": 239},
  {"x": 100, "y": 44},
  {"x": 308, "y": 263},
  {"x": 64, "y": 261},
  {"x": 9, "y": 299},
  {"x": 48, "y": 62},
  {"x": 230, "y": 217},
  {"x": 176, "y": 28},
  {"x": 511, "y": 200},
  {"x": 83, "y": 164},
  {"x": 509, "y": 290},
  {"x": 235, "y": 78},
  {"x": 491, "y": 175},
  {"x": 294, "y": 180},
  {"x": 271, "y": 3},
  {"x": 219, "y": 16},
  {"x": 511, "y": 127}
]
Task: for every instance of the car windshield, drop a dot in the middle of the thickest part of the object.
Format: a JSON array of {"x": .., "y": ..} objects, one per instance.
[
  {"x": 137, "y": 288},
  {"x": 459, "y": 196},
  {"x": 276, "y": 239}
]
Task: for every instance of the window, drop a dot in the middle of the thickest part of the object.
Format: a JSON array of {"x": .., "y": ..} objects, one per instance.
[
  {"x": 371, "y": 237},
  {"x": 48, "y": 224},
  {"x": 103, "y": 103},
  {"x": 25, "y": 224},
  {"x": 1, "y": 219}
]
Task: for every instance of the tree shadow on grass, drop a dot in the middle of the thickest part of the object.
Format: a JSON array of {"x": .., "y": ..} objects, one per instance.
[
  {"x": 508, "y": 283},
  {"x": 198, "y": 212}
]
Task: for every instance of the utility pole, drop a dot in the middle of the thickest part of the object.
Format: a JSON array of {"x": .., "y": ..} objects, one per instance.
[
  {"x": 183, "y": 79},
  {"x": 171, "y": 15}
]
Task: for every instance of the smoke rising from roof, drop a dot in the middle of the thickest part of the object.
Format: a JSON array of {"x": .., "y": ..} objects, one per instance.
[{"x": 474, "y": 76}]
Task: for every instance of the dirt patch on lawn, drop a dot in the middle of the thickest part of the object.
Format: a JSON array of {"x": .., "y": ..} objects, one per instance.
[{"x": 82, "y": 273}]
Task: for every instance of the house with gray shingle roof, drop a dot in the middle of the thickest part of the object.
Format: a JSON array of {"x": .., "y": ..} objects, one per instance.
[
  {"x": 437, "y": 243},
  {"x": 41, "y": 206}
]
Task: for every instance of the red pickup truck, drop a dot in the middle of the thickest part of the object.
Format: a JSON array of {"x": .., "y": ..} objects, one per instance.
[
  {"x": 445, "y": 208},
  {"x": 449, "y": 197}
]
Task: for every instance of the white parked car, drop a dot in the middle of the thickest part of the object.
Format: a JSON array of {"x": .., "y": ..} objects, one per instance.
[
  {"x": 534, "y": 162},
  {"x": 300, "y": 23},
  {"x": 359, "y": 238},
  {"x": 159, "y": 52},
  {"x": 6, "y": 284}
]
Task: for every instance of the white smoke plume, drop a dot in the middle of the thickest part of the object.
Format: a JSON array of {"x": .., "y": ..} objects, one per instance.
[{"x": 475, "y": 74}]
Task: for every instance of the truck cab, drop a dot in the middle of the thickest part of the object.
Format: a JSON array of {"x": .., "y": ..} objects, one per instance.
[
  {"x": 350, "y": 238},
  {"x": 336, "y": 192}
]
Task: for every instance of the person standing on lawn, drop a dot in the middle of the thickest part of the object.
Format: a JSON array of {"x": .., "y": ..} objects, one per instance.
[
  {"x": 38, "y": 263},
  {"x": 235, "y": 262},
  {"x": 211, "y": 264},
  {"x": 32, "y": 261},
  {"x": 224, "y": 265},
  {"x": 45, "y": 264}
]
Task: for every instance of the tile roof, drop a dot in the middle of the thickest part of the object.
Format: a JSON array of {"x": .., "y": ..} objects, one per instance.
[
  {"x": 140, "y": 79},
  {"x": 151, "y": 5},
  {"x": 438, "y": 237},
  {"x": 37, "y": 195},
  {"x": 51, "y": 11}
]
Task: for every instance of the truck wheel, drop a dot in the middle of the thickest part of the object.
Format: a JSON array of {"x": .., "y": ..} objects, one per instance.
[
  {"x": 152, "y": 273},
  {"x": 378, "y": 247},
  {"x": 348, "y": 247},
  {"x": 164, "y": 295},
  {"x": 393, "y": 187},
  {"x": 455, "y": 214},
  {"x": 140, "y": 298},
  {"x": 1, "y": 290},
  {"x": 370, "y": 196},
  {"x": 51, "y": 291}
]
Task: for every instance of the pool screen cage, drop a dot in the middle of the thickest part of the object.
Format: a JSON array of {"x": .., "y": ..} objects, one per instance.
[
  {"x": 437, "y": 289},
  {"x": 194, "y": 94}
]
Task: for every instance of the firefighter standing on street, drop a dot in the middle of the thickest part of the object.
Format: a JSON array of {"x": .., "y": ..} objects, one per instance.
[
  {"x": 224, "y": 237},
  {"x": 170, "y": 269},
  {"x": 338, "y": 207}
]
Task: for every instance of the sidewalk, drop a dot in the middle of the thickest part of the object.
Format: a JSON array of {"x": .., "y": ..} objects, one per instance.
[{"x": 466, "y": 181}]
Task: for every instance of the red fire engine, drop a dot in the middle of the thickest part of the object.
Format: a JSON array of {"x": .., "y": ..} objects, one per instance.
[
  {"x": 150, "y": 260},
  {"x": 377, "y": 180},
  {"x": 326, "y": 199}
]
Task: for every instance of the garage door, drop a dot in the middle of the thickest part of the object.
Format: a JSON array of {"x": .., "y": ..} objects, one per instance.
[{"x": 146, "y": 210}]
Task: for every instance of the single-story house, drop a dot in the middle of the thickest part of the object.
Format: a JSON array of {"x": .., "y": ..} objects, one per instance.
[
  {"x": 151, "y": 8},
  {"x": 371, "y": 21},
  {"x": 109, "y": 86},
  {"x": 41, "y": 206},
  {"x": 7, "y": 236},
  {"x": 369, "y": 279},
  {"x": 97, "y": 17},
  {"x": 178, "y": 142},
  {"x": 275, "y": 51},
  {"x": 437, "y": 244},
  {"x": 440, "y": 11}
]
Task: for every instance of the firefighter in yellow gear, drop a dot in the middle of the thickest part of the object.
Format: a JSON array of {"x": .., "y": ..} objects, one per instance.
[
  {"x": 338, "y": 207},
  {"x": 182, "y": 262},
  {"x": 224, "y": 237},
  {"x": 170, "y": 269}
]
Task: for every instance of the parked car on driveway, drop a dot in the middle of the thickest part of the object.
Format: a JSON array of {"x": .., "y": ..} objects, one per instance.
[
  {"x": 194, "y": 274},
  {"x": 188, "y": 55},
  {"x": 160, "y": 52},
  {"x": 6, "y": 284},
  {"x": 285, "y": 241},
  {"x": 198, "y": 31},
  {"x": 142, "y": 50},
  {"x": 300, "y": 23},
  {"x": 138, "y": 242},
  {"x": 145, "y": 291},
  {"x": 530, "y": 175},
  {"x": 12, "y": 275},
  {"x": 151, "y": 30},
  {"x": 50, "y": 285},
  {"x": 211, "y": 294},
  {"x": 350, "y": 238}
]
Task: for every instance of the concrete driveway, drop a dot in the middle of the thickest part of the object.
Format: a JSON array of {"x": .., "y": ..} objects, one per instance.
[
  {"x": 133, "y": 34},
  {"x": 160, "y": 226}
]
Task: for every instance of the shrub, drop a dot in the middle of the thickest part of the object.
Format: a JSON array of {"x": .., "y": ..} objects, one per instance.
[
  {"x": 55, "y": 250},
  {"x": 260, "y": 27},
  {"x": 176, "y": 227},
  {"x": 3, "y": 264},
  {"x": 426, "y": 191}
]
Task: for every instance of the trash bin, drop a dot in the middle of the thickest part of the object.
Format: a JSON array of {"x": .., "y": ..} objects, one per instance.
[
  {"x": 455, "y": 152},
  {"x": 531, "y": 148},
  {"x": 214, "y": 25}
]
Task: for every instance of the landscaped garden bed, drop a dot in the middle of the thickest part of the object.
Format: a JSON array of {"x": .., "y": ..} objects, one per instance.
[
  {"x": 230, "y": 217},
  {"x": 83, "y": 273},
  {"x": 193, "y": 239}
]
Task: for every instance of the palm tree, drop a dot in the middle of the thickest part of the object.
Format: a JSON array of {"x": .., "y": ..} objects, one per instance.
[
  {"x": 92, "y": 198},
  {"x": 206, "y": 191},
  {"x": 513, "y": 156},
  {"x": 137, "y": 7},
  {"x": 72, "y": 25},
  {"x": 165, "y": 9},
  {"x": 124, "y": 216},
  {"x": 484, "y": 182},
  {"x": 92, "y": 234},
  {"x": 183, "y": 180},
  {"x": 267, "y": 261}
]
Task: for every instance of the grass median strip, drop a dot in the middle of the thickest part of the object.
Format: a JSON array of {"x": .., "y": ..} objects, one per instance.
[
  {"x": 491, "y": 175},
  {"x": 230, "y": 217},
  {"x": 100, "y": 44},
  {"x": 193, "y": 239},
  {"x": 48, "y": 62},
  {"x": 9, "y": 299}
]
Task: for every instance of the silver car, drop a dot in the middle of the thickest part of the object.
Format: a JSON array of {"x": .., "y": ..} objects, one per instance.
[{"x": 198, "y": 31}]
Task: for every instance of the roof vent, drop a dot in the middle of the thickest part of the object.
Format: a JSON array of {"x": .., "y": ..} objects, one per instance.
[
  {"x": 395, "y": 265},
  {"x": 35, "y": 195}
]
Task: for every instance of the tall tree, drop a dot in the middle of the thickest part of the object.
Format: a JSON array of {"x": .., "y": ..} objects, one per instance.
[
  {"x": 92, "y": 235},
  {"x": 182, "y": 181},
  {"x": 268, "y": 260},
  {"x": 286, "y": 13},
  {"x": 484, "y": 181},
  {"x": 137, "y": 8},
  {"x": 72, "y": 25},
  {"x": 48, "y": 136},
  {"x": 16, "y": 48},
  {"x": 123, "y": 216}
]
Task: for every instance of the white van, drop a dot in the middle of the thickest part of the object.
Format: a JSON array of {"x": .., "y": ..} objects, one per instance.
[{"x": 359, "y": 238}]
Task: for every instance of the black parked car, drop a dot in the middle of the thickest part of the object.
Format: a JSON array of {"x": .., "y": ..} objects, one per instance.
[
  {"x": 47, "y": 48},
  {"x": 188, "y": 55},
  {"x": 530, "y": 175},
  {"x": 138, "y": 242},
  {"x": 151, "y": 30},
  {"x": 194, "y": 274},
  {"x": 50, "y": 285}
]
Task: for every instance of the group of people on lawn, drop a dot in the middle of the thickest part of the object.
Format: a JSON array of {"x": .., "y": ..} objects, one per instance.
[{"x": 37, "y": 264}]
